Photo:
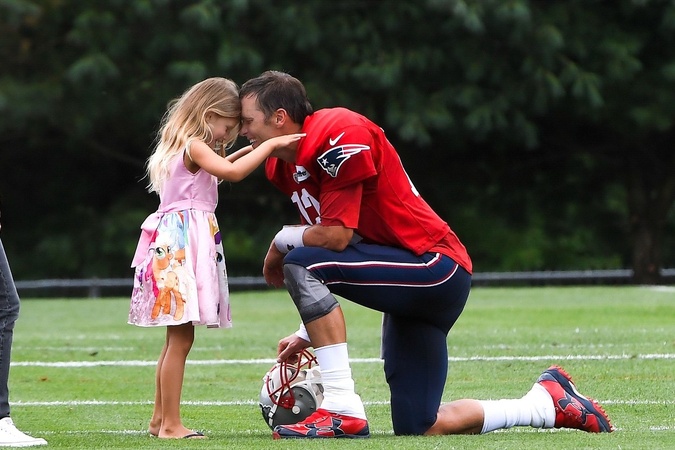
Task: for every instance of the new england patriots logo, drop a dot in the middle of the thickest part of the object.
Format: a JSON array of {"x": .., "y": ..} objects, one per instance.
[{"x": 332, "y": 159}]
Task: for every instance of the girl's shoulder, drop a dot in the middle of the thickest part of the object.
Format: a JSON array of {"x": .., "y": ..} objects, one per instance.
[
  {"x": 196, "y": 145},
  {"x": 193, "y": 145}
]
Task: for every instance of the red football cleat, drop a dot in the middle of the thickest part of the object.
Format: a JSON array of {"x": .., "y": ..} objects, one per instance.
[
  {"x": 573, "y": 410},
  {"x": 324, "y": 424}
]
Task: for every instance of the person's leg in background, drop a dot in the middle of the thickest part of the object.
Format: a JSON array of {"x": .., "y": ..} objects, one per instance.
[{"x": 10, "y": 436}]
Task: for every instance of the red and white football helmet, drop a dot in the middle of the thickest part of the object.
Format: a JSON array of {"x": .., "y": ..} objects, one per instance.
[{"x": 291, "y": 390}]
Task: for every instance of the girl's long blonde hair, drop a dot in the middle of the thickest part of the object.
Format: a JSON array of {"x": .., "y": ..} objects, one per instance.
[{"x": 185, "y": 120}]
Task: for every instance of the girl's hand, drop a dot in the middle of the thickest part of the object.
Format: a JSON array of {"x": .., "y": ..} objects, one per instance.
[{"x": 286, "y": 139}]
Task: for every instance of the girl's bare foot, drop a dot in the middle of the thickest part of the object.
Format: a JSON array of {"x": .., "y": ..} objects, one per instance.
[
  {"x": 180, "y": 433},
  {"x": 154, "y": 427}
]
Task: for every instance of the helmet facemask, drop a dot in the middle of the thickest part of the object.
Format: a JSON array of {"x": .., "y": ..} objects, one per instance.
[{"x": 291, "y": 390}]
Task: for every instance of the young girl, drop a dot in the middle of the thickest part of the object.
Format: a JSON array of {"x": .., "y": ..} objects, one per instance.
[{"x": 180, "y": 276}]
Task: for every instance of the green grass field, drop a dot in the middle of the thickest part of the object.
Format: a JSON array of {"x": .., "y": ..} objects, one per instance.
[{"x": 84, "y": 379}]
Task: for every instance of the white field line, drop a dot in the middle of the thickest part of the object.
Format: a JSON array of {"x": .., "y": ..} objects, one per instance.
[
  {"x": 250, "y": 403},
  {"x": 455, "y": 348},
  {"x": 230, "y": 432},
  {"x": 79, "y": 364},
  {"x": 255, "y": 402},
  {"x": 257, "y": 432},
  {"x": 213, "y": 362}
]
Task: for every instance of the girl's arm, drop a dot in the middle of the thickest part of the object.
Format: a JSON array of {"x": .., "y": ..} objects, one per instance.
[
  {"x": 233, "y": 171},
  {"x": 239, "y": 153}
]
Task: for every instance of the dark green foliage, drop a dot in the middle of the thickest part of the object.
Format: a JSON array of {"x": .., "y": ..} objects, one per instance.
[{"x": 540, "y": 130}]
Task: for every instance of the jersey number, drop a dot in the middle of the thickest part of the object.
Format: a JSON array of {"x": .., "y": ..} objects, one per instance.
[{"x": 304, "y": 200}]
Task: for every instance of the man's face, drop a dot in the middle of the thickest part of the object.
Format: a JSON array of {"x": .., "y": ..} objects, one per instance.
[{"x": 254, "y": 126}]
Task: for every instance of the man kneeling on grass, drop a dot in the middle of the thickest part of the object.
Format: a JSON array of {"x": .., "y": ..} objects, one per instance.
[{"x": 367, "y": 235}]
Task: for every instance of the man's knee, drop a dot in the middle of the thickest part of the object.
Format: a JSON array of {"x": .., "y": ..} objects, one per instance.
[
  {"x": 10, "y": 314},
  {"x": 409, "y": 421},
  {"x": 311, "y": 297}
]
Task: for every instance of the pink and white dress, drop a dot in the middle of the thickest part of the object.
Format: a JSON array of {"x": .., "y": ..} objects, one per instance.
[{"x": 180, "y": 273}]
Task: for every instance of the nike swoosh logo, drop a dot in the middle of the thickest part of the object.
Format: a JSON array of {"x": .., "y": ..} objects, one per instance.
[{"x": 334, "y": 141}]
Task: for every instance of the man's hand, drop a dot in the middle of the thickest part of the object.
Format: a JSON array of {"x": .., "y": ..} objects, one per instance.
[
  {"x": 273, "y": 267},
  {"x": 289, "y": 346}
]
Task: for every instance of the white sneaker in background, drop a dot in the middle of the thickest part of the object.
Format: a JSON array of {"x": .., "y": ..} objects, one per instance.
[{"x": 10, "y": 436}]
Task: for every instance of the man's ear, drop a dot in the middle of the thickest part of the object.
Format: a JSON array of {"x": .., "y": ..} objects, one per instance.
[{"x": 280, "y": 117}]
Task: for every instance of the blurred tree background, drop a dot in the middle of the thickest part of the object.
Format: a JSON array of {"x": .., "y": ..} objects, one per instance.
[{"x": 540, "y": 130}]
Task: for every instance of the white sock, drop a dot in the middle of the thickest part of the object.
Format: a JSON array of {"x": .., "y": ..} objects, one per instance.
[
  {"x": 333, "y": 357},
  {"x": 338, "y": 385},
  {"x": 543, "y": 409},
  {"x": 535, "y": 409}
]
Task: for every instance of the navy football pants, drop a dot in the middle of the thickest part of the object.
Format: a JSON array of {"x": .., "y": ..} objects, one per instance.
[{"x": 421, "y": 298}]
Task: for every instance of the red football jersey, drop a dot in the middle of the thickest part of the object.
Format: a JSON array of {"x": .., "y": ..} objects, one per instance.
[{"x": 347, "y": 173}]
